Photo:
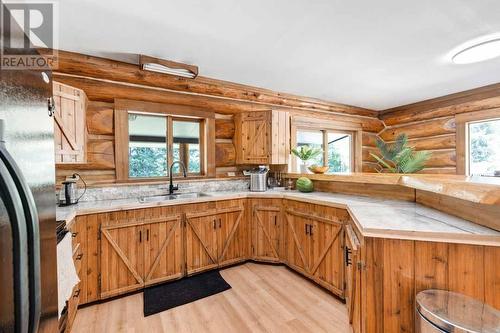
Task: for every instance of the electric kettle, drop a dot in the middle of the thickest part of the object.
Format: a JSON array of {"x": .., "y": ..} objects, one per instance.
[{"x": 69, "y": 191}]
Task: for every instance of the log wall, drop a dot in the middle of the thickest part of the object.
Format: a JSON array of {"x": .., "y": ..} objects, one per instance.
[
  {"x": 431, "y": 125},
  {"x": 105, "y": 80}
]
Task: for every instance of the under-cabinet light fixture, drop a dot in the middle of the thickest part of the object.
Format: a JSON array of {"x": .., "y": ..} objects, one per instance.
[
  {"x": 148, "y": 63},
  {"x": 477, "y": 50}
]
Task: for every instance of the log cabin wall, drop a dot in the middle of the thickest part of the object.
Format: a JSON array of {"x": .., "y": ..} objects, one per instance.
[
  {"x": 104, "y": 80},
  {"x": 431, "y": 124}
]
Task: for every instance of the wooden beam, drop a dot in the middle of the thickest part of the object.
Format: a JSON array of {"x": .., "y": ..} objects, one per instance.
[{"x": 95, "y": 67}]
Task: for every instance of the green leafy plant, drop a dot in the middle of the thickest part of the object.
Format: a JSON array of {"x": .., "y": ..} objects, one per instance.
[
  {"x": 399, "y": 157},
  {"x": 305, "y": 153}
]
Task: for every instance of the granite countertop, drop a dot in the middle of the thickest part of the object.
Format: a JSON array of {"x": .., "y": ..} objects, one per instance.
[{"x": 373, "y": 217}]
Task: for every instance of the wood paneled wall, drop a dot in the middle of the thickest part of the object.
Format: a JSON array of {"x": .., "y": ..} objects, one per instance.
[
  {"x": 105, "y": 80},
  {"x": 396, "y": 270},
  {"x": 431, "y": 124}
]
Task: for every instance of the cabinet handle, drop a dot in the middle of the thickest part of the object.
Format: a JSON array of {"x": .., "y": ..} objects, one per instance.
[
  {"x": 77, "y": 293},
  {"x": 140, "y": 236},
  {"x": 307, "y": 230},
  {"x": 147, "y": 235},
  {"x": 215, "y": 224},
  {"x": 74, "y": 234},
  {"x": 220, "y": 222},
  {"x": 348, "y": 260},
  {"x": 79, "y": 257},
  {"x": 310, "y": 229},
  {"x": 275, "y": 219}
]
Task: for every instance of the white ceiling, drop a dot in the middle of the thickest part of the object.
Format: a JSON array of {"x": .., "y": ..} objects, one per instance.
[{"x": 373, "y": 54}]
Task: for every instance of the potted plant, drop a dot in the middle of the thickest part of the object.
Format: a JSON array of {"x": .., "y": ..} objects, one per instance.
[
  {"x": 306, "y": 153},
  {"x": 399, "y": 157}
]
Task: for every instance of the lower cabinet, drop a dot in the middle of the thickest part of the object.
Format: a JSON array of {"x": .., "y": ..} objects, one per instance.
[
  {"x": 315, "y": 242},
  {"x": 352, "y": 278},
  {"x": 215, "y": 237},
  {"x": 138, "y": 251},
  {"x": 267, "y": 229}
]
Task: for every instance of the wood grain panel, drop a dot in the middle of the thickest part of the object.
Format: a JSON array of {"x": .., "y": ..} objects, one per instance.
[
  {"x": 372, "y": 286},
  {"x": 487, "y": 215},
  {"x": 399, "y": 293},
  {"x": 466, "y": 270},
  {"x": 431, "y": 266},
  {"x": 492, "y": 276},
  {"x": 373, "y": 190},
  {"x": 224, "y": 128},
  {"x": 100, "y": 118},
  {"x": 225, "y": 154},
  {"x": 84, "y": 65},
  {"x": 421, "y": 129}
]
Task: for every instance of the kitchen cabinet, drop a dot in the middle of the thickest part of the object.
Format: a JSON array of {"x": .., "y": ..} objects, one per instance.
[
  {"x": 214, "y": 237},
  {"x": 139, "y": 250},
  {"x": 262, "y": 137},
  {"x": 352, "y": 278},
  {"x": 66, "y": 320},
  {"x": 314, "y": 243},
  {"x": 266, "y": 230},
  {"x": 70, "y": 131},
  {"x": 233, "y": 235}
]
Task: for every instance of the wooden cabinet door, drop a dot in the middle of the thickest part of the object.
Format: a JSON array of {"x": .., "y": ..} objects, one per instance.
[
  {"x": 326, "y": 261},
  {"x": 252, "y": 137},
  {"x": 201, "y": 241},
  {"x": 70, "y": 124},
  {"x": 267, "y": 233},
  {"x": 163, "y": 256},
  {"x": 298, "y": 241},
  {"x": 231, "y": 234},
  {"x": 122, "y": 258},
  {"x": 353, "y": 279}
]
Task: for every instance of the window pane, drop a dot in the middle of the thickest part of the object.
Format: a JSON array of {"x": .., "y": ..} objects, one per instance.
[
  {"x": 339, "y": 152},
  {"x": 311, "y": 139},
  {"x": 147, "y": 145},
  {"x": 484, "y": 148},
  {"x": 187, "y": 145}
]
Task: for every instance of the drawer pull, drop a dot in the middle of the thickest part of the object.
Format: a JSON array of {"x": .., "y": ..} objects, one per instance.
[
  {"x": 77, "y": 293},
  {"x": 74, "y": 234},
  {"x": 79, "y": 257}
]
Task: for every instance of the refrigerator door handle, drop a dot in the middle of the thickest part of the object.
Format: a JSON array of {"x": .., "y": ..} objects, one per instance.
[
  {"x": 13, "y": 204},
  {"x": 31, "y": 222}
]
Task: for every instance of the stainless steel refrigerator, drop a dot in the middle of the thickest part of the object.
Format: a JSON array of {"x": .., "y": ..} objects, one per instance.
[{"x": 28, "y": 274}]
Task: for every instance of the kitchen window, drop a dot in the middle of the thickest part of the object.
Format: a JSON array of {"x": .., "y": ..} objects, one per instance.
[
  {"x": 484, "y": 148},
  {"x": 478, "y": 143},
  {"x": 340, "y": 143},
  {"x": 151, "y": 136}
]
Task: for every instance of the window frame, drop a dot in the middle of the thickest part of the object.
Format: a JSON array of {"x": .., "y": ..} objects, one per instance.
[
  {"x": 171, "y": 112},
  {"x": 346, "y": 127},
  {"x": 462, "y": 122}
]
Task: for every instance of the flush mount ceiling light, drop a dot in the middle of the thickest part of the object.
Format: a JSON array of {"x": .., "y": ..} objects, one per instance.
[
  {"x": 477, "y": 50},
  {"x": 148, "y": 63}
]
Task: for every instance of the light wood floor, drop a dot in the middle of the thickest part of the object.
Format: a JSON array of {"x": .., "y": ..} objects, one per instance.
[{"x": 263, "y": 298}]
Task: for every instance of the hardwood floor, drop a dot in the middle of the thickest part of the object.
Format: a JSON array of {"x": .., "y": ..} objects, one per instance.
[{"x": 263, "y": 298}]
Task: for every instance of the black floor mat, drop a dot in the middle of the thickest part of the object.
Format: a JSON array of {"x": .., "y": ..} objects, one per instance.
[{"x": 169, "y": 295}]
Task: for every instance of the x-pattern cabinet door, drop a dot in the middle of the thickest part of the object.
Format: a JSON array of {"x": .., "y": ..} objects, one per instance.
[
  {"x": 163, "y": 256},
  {"x": 201, "y": 241},
  {"x": 298, "y": 248},
  {"x": 230, "y": 235},
  {"x": 122, "y": 258},
  {"x": 267, "y": 232}
]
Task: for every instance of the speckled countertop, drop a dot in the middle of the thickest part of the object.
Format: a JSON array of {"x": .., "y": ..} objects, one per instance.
[{"x": 373, "y": 217}]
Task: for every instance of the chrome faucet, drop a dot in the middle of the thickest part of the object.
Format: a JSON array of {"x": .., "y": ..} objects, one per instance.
[{"x": 171, "y": 187}]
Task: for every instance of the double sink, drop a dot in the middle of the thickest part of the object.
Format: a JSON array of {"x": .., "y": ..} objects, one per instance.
[{"x": 166, "y": 197}]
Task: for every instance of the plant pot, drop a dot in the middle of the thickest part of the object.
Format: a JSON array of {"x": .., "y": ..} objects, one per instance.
[{"x": 304, "y": 168}]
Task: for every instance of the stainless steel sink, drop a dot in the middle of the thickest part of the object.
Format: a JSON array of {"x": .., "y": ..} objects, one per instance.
[{"x": 175, "y": 196}]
